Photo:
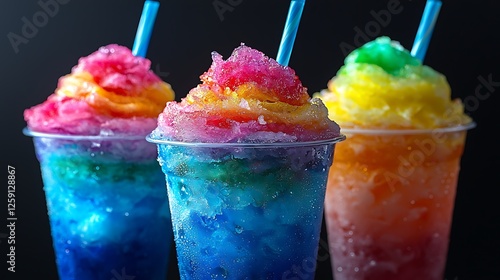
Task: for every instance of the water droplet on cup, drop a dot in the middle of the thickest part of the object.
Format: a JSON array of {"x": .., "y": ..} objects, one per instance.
[
  {"x": 219, "y": 273},
  {"x": 238, "y": 229}
]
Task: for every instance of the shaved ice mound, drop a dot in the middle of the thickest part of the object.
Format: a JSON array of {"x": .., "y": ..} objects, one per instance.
[
  {"x": 111, "y": 91},
  {"x": 382, "y": 86},
  {"x": 247, "y": 98}
]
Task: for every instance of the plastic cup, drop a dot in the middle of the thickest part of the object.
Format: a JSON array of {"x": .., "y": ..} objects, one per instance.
[
  {"x": 107, "y": 206},
  {"x": 389, "y": 202},
  {"x": 246, "y": 211}
]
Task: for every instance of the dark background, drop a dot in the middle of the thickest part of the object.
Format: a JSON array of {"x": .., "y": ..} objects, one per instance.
[{"x": 464, "y": 47}]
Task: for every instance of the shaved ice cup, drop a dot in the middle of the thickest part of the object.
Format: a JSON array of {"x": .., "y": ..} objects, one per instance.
[
  {"x": 389, "y": 202},
  {"x": 246, "y": 211},
  {"x": 107, "y": 206}
]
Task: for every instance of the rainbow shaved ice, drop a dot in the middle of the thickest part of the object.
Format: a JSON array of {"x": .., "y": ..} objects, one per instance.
[
  {"x": 246, "y": 156},
  {"x": 391, "y": 189},
  {"x": 110, "y": 91},
  {"x": 247, "y": 98},
  {"x": 382, "y": 86},
  {"x": 106, "y": 199}
]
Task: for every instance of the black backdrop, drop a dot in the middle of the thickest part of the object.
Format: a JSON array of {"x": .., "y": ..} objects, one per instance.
[{"x": 464, "y": 47}]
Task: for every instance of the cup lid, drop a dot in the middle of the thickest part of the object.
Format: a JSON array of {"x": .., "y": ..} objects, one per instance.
[
  {"x": 381, "y": 131},
  {"x": 154, "y": 139},
  {"x": 31, "y": 133}
]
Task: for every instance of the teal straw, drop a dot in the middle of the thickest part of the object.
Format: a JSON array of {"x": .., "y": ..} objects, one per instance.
[
  {"x": 425, "y": 29},
  {"x": 145, "y": 28},
  {"x": 290, "y": 31}
]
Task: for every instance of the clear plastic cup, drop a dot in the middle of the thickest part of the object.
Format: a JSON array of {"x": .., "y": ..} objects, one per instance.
[
  {"x": 107, "y": 206},
  {"x": 246, "y": 211},
  {"x": 389, "y": 202}
]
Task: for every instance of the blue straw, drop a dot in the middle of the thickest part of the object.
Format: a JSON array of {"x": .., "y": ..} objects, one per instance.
[
  {"x": 290, "y": 31},
  {"x": 145, "y": 28},
  {"x": 425, "y": 29}
]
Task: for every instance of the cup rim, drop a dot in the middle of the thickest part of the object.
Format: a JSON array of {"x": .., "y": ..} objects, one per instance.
[
  {"x": 28, "y": 132},
  {"x": 334, "y": 140},
  {"x": 382, "y": 131}
]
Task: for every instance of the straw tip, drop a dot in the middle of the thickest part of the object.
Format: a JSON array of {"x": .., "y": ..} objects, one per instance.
[
  {"x": 151, "y": 3},
  {"x": 435, "y": 3}
]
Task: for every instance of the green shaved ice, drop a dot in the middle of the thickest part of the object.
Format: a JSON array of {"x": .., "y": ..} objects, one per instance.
[
  {"x": 235, "y": 172},
  {"x": 388, "y": 55},
  {"x": 238, "y": 172},
  {"x": 79, "y": 169},
  {"x": 233, "y": 181}
]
